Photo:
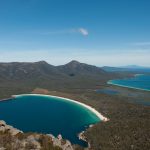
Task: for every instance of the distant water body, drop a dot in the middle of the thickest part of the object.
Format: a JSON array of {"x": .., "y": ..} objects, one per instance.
[
  {"x": 45, "y": 114},
  {"x": 139, "y": 81}
]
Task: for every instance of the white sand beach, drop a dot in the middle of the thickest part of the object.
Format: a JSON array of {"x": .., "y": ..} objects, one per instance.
[
  {"x": 125, "y": 86},
  {"x": 99, "y": 115}
]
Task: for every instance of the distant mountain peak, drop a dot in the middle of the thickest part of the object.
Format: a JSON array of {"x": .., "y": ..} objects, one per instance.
[
  {"x": 134, "y": 67},
  {"x": 74, "y": 68},
  {"x": 41, "y": 62},
  {"x": 74, "y": 62},
  {"x": 43, "y": 70}
]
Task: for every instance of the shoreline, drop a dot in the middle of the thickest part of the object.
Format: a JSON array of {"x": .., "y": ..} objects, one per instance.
[
  {"x": 6, "y": 99},
  {"x": 98, "y": 114},
  {"x": 81, "y": 135},
  {"x": 130, "y": 87},
  {"x": 136, "y": 75}
]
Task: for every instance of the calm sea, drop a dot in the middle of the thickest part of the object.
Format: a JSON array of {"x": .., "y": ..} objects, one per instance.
[{"x": 141, "y": 82}]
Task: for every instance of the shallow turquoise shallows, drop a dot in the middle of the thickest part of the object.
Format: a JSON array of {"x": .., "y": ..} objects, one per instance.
[
  {"x": 141, "y": 82},
  {"x": 45, "y": 114}
]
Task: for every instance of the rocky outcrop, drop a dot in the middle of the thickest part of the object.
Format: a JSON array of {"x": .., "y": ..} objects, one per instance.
[
  {"x": 9, "y": 129},
  {"x": 60, "y": 142},
  {"x": 12, "y": 138}
]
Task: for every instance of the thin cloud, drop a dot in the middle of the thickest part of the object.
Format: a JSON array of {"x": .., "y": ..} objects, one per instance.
[
  {"x": 141, "y": 44},
  {"x": 81, "y": 31},
  {"x": 69, "y": 31}
]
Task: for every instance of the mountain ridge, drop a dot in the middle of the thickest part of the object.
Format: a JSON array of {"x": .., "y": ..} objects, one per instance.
[
  {"x": 40, "y": 74},
  {"x": 27, "y": 69}
]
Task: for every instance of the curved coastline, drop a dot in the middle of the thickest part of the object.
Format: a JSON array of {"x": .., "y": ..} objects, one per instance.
[
  {"x": 136, "y": 75},
  {"x": 99, "y": 115},
  {"x": 6, "y": 99},
  {"x": 131, "y": 87}
]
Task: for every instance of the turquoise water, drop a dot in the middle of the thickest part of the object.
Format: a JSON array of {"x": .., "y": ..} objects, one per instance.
[
  {"x": 46, "y": 114},
  {"x": 141, "y": 82}
]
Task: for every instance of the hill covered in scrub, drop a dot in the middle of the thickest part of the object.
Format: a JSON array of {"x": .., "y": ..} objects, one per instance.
[
  {"x": 21, "y": 70},
  {"x": 17, "y": 77},
  {"x": 129, "y": 123}
]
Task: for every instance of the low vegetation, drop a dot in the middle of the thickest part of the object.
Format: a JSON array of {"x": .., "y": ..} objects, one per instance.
[{"x": 129, "y": 125}]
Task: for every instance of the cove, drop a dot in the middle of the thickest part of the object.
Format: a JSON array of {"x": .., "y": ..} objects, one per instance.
[
  {"x": 139, "y": 81},
  {"x": 49, "y": 115}
]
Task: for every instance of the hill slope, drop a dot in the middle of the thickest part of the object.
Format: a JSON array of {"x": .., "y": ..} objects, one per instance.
[
  {"x": 21, "y": 77},
  {"x": 76, "y": 68},
  {"x": 24, "y": 70}
]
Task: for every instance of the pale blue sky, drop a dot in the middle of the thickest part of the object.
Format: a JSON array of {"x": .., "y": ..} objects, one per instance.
[{"x": 97, "y": 32}]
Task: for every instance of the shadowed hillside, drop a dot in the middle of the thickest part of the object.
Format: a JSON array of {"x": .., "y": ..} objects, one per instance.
[{"x": 75, "y": 68}]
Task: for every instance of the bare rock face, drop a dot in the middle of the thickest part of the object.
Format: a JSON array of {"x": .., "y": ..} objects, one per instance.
[
  {"x": 60, "y": 142},
  {"x": 7, "y": 128},
  {"x": 12, "y": 138},
  {"x": 2, "y": 148}
]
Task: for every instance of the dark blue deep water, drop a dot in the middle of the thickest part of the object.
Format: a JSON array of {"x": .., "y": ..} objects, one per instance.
[
  {"x": 141, "y": 82},
  {"x": 45, "y": 114}
]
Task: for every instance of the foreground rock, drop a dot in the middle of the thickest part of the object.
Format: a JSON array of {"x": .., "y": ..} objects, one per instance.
[
  {"x": 14, "y": 139},
  {"x": 9, "y": 129}
]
